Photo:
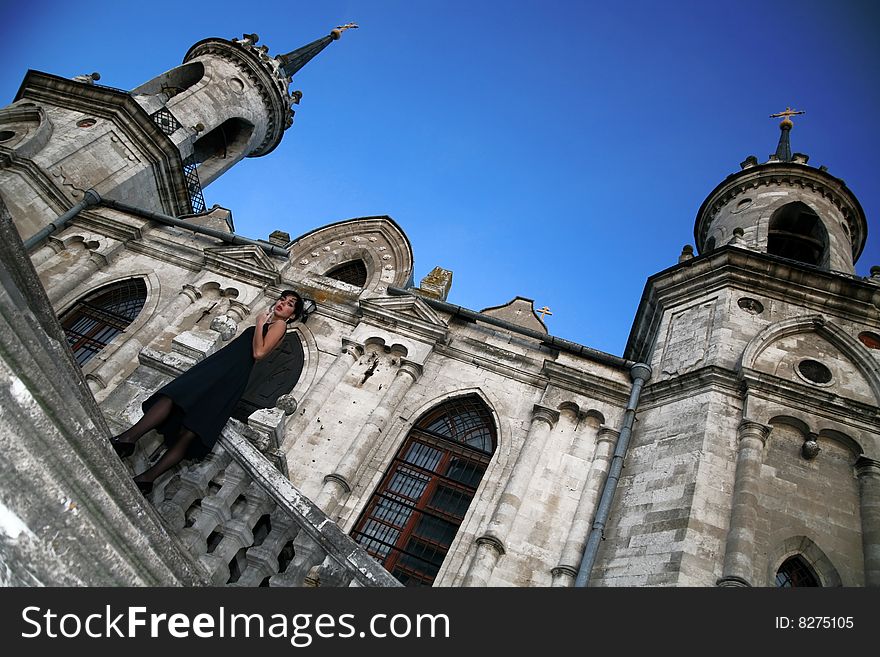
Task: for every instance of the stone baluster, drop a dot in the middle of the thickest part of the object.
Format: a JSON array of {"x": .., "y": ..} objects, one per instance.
[
  {"x": 308, "y": 553},
  {"x": 330, "y": 574},
  {"x": 490, "y": 546},
  {"x": 339, "y": 482},
  {"x": 51, "y": 247},
  {"x": 237, "y": 534},
  {"x": 868, "y": 471},
  {"x": 740, "y": 547},
  {"x": 565, "y": 573},
  {"x": 262, "y": 559},
  {"x": 215, "y": 510},
  {"x": 319, "y": 393}
]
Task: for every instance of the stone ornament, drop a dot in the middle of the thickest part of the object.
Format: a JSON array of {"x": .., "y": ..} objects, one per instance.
[{"x": 225, "y": 326}]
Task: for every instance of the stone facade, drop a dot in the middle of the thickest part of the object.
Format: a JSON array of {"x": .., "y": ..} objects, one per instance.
[{"x": 754, "y": 441}]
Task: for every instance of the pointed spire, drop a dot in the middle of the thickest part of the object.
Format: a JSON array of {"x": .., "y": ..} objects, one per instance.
[
  {"x": 293, "y": 61},
  {"x": 783, "y": 149}
]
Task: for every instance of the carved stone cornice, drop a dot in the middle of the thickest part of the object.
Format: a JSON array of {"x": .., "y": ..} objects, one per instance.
[
  {"x": 409, "y": 314},
  {"x": 585, "y": 383},
  {"x": 248, "y": 263}
]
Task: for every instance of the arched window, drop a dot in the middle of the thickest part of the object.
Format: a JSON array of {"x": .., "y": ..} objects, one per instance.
[
  {"x": 795, "y": 571},
  {"x": 98, "y": 317},
  {"x": 797, "y": 233},
  {"x": 353, "y": 273},
  {"x": 412, "y": 518}
]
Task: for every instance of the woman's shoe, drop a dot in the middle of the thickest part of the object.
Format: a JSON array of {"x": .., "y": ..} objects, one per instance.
[
  {"x": 122, "y": 449},
  {"x": 145, "y": 487}
]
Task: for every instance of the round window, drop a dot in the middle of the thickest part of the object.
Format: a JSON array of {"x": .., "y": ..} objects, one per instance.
[
  {"x": 6, "y": 135},
  {"x": 752, "y": 306},
  {"x": 85, "y": 123},
  {"x": 870, "y": 340},
  {"x": 813, "y": 370}
]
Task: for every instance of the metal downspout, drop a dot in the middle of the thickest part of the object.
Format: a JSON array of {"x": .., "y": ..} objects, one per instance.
[
  {"x": 640, "y": 373},
  {"x": 558, "y": 343},
  {"x": 91, "y": 198}
]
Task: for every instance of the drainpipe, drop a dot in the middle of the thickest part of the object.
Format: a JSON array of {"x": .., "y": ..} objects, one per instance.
[
  {"x": 91, "y": 198},
  {"x": 230, "y": 238},
  {"x": 558, "y": 343},
  {"x": 640, "y": 373}
]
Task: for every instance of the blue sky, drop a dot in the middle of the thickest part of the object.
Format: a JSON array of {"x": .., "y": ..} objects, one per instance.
[{"x": 553, "y": 150}]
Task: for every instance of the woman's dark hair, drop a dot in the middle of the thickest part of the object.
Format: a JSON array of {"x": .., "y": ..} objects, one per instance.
[{"x": 297, "y": 307}]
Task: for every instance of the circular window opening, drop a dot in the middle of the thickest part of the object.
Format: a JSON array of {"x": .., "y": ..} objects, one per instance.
[
  {"x": 742, "y": 205},
  {"x": 752, "y": 306},
  {"x": 870, "y": 340},
  {"x": 813, "y": 370},
  {"x": 86, "y": 123},
  {"x": 6, "y": 135}
]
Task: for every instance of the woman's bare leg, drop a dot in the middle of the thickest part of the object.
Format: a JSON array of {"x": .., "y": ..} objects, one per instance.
[{"x": 170, "y": 458}]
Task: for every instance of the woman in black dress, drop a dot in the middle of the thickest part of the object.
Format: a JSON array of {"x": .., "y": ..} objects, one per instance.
[{"x": 192, "y": 409}]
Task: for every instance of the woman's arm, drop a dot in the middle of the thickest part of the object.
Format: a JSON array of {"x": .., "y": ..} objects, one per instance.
[{"x": 262, "y": 347}]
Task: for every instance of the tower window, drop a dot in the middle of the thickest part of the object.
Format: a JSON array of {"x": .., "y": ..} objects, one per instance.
[
  {"x": 414, "y": 515},
  {"x": 353, "y": 273},
  {"x": 796, "y": 572},
  {"x": 98, "y": 317},
  {"x": 797, "y": 233}
]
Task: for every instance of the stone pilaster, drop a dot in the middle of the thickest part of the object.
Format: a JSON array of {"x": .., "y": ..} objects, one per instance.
[
  {"x": 321, "y": 391},
  {"x": 868, "y": 471},
  {"x": 564, "y": 574},
  {"x": 491, "y": 545},
  {"x": 740, "y": 547},
  {"x": 339, "y": 482}
]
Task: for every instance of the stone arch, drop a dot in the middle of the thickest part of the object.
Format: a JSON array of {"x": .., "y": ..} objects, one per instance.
[
  {"x": 171, "y": 83},
  {"x": 378, "y": 242},
  {"x": 797, "y": 232},
  {"x": 811, "y": 553},
  {"x": 850, "y": 347},
  {"x": 152, "y": 284},
  {"x": 451, "y": 477},
  {"x": 30, "y": 127}
]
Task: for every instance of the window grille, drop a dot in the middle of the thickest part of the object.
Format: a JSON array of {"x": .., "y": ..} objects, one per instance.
[
  {"x": 193, "y": 184},
  {"x": 795, "y": 572},
  {"x": 353, "y": 273},
  {"x": 100, "y": 316},
  {"x": 165, "y": 120},
  {"x": 411, "y": 520}
]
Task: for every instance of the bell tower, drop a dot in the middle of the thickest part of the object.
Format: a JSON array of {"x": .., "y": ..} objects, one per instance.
[
  {"x": 228, "y": 100},
  {"x": 786, "y": 208},
  {"x": 66, "y": 141}
]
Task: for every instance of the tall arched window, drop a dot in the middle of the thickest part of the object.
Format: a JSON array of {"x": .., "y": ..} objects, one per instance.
[
  {"x": 797, "y": 233},
  {"x": 412, "y": 518},
  {"x": 353, "y": 273},
  {"x": 99, "y": 316},
  {"x": 795, "y": 571}
]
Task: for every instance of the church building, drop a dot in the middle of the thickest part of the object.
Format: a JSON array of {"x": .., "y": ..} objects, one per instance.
[{"x": 394, "y": 438}]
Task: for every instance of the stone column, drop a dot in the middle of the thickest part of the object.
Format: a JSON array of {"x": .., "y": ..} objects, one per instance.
[
  {"x": 52, "y": 246},
  {"x": 740, "y": 546},
  {"x": 490, "y": 546},
  {"x": 318, "y": 394},
  {"x": 339, "y": 482},
  {"x": 564, "y": 574},
  {"x": 868, "y": 471},
  {"x": 127, "y": 354}
]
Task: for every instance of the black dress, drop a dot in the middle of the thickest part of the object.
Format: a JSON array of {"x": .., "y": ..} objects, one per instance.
[{"x": 206, "y": 394}]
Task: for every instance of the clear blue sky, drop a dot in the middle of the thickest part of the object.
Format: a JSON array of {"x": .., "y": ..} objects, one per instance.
[{"x": 553, "y": 150}]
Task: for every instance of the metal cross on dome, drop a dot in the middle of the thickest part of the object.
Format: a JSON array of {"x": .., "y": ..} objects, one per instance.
[{"x": 787, "y": 114}]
